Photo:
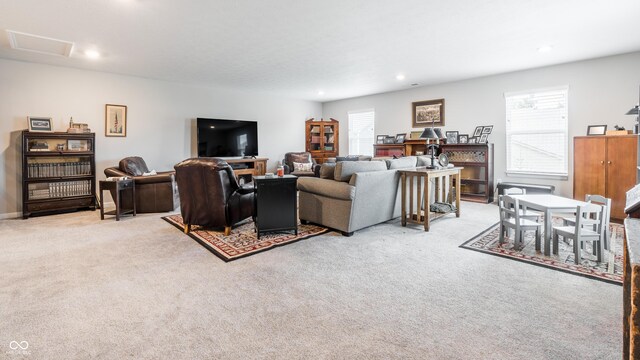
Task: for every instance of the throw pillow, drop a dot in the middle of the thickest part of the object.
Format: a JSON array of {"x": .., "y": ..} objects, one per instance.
[{"x": 304, "y": 167}]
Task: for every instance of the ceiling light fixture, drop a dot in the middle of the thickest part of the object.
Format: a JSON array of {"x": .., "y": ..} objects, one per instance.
[
  {"x": 400, "y": 77},
  {"x": 92, "y": 54},
  {"x": 545, "y": 49},
  {"x": 320, "y": 92}
]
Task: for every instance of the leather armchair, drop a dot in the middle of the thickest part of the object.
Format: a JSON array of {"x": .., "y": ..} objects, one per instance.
[
  {"x": 299, "y": 157},
  {"x": 154, "y": 193},
  {"x": 210, "y": 195}
]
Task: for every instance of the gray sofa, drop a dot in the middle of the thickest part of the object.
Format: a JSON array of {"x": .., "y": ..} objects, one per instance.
[{"x": 352, "y": 195}]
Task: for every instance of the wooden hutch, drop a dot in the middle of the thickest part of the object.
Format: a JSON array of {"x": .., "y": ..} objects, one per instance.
[{"x": 322, "y": 139}]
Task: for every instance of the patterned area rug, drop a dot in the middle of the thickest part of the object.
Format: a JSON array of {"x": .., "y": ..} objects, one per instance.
[
  {"x": 243, "y": 240},
  {"x": 609, "y": 270}
]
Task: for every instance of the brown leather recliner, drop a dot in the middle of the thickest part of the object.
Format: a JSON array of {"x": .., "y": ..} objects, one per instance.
[
  {"x": 299, "y": 157},
  {"x": 154, "y": 193},
  {"x": 210, "y": 195}
]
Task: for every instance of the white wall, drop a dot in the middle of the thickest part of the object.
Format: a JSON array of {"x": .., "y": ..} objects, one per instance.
[
  {"x": 160, "y": 117},
  {"x": 601, "y": 91}
]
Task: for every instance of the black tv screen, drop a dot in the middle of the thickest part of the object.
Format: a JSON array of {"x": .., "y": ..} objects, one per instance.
[{"x": 227, "y": 138}]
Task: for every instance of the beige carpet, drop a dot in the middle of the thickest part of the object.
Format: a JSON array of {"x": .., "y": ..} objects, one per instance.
[{"x": 76, "y": 287}]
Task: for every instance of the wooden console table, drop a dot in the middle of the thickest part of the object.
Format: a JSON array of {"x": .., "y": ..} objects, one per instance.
[
  {"x": 416, "y": 188},
  {"x": 252, "y": 167}
]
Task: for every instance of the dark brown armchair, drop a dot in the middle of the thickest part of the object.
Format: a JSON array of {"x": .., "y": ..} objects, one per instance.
[
  {"x": 154, "y": 193},
  {"x": 210, "y": 195},
  {"x": 299, "y": 157}
]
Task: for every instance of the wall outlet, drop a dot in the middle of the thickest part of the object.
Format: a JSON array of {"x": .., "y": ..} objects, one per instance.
[{"x": 499, "y": 181}]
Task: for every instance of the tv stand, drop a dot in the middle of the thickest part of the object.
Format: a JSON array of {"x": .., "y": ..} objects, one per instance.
[{"x": 248, "y": 168}]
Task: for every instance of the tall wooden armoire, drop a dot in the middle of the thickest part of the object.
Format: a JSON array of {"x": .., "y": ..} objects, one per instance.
[{"x": 607, "y": 166}]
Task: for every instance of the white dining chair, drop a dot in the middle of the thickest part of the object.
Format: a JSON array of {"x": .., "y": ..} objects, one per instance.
[
  {"x": 524, "y": 213},
  {"x": 592, "y": 223},
  {"x": 510, "y": 218},
  {"x": 580, "y": 233}
]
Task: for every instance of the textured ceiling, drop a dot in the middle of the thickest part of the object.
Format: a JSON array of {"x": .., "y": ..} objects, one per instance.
[{"x": 346, "y": 48}]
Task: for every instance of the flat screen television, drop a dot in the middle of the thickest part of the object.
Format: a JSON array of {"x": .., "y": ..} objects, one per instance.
[{"x": 227, "y": 138}]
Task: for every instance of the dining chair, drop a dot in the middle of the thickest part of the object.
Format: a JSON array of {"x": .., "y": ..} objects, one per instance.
[
  {"x": 511, "y": 218},
  {"x": 524, "y": 213},
  {"x": 592, "y": 223},
  {"x": 580, "y": 233}
]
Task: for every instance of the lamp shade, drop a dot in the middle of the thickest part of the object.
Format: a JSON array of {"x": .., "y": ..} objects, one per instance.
[
  {"x": 439, "y": 133},
  {"x": 633, "y": 111},
  {"x": 428, "y": 133}
]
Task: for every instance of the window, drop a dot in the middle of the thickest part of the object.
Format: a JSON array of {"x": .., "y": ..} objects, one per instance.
[
  {"x": 537, "y": 132},
  {"x": 361, "y": 132}
]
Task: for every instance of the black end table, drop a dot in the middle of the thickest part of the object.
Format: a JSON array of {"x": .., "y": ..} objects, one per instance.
[
  {"x": 276, "y": 204},
  {"x": 117, "y": 187}
]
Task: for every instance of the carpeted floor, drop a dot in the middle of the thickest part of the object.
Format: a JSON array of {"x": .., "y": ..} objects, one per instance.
[{"x": 77, "y": 287}]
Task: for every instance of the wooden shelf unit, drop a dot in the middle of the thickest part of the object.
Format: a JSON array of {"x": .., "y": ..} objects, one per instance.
[
  {"x": 322, "y": 139},
  {"x": 246, "y": 169},
  {"x": 477, "y": 175},
  {"x": 408, "y": 148},
  {"x": 56, "y": 178}
]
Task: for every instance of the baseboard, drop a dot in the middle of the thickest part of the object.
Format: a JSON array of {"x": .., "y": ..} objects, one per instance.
[
  {"x": 12, "y": 215},
  {"x": 16, "y": 215}
]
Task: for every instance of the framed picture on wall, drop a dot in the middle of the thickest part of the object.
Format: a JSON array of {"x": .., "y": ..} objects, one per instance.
[
  {"x": 115, "y": 120},
  {"x": 427, "y": 113}
]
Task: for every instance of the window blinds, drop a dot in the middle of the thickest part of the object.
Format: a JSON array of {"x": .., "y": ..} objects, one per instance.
[
  {"x": 361, "y": 130},
  {"x": 537, "y": 132}
]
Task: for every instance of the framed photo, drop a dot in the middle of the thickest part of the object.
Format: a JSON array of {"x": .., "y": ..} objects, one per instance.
[
  {"x": 477, "y": 131},
  {"x": 484, "y": 138},
  {"x": 452, "y": 137},
  {"x": 593, "y": 130},
  {"x": 77, "y": 145},
  {"x": 487, "y": 129},
  {"x": 428, "y": 112},
  {"x": 380, "y": 139},
  {"x": 400, "y": 138},
  {"x": 463, "y": 139},
  {"x": 40, "y": 124},
  {"x": 115, "y": 120},
  {"x": 473, "y": 140},
  {"x": 389, "y": 139}
]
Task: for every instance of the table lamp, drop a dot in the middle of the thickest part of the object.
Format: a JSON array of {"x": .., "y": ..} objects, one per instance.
[
  {"x": 634, "y": 111},
  {"x": 429, "y": 134}
]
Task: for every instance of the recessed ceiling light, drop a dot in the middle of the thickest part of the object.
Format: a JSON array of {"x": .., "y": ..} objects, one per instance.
[
  {"x": 544, "y": 49},
  {"x": 400, "y": 77},
  {"x": 320, "y": 92},
  {"x": 92, "y": 54}
]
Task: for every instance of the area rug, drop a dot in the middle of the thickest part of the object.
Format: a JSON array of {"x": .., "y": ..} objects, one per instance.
[
  {"x": 609, "y": 270},
  {"x": 243, "y": 240}
]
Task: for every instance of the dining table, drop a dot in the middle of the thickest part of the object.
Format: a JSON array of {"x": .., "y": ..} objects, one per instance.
[{"x": 548, "y": 204}]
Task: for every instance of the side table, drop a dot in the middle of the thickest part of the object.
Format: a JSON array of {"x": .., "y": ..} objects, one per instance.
[
  {"x": 276, "y": 204},
  {"x": 116, "y": 188}
]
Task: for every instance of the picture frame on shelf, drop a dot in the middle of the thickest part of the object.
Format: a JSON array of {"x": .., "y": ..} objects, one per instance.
[
  {"x": 487, "y": 129},
  {"x": 77, "y": 145},
  {"x": 478, "y": 131},
  {"x": 427, "y": 113},
  {"x": 389, "y": 140},
  {"x": 595, "y": 130},
  {"x": 472, "y": 140},
  {"x": 380, "y": 139},
  {"x": 463, "y": 139},
  {"x": 484, "y": 138},
  {"x": 452, "y": 137},
  {"x": 115, "y": 120},
  {"x": 39, "y": 124},
  {"x": 400, "y": 138}
]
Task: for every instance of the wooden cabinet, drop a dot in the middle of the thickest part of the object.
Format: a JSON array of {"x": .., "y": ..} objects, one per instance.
[
  {"x": 411, "y": 147},
  {"x": 384, "y": 150},
  {"x": 58, "y": 172},
  {"x": 246, "y": 169},
  {"x": 607, "y": 166},
  {"x": 322, "y": 139},
  {"x": 476, "y": 183}
]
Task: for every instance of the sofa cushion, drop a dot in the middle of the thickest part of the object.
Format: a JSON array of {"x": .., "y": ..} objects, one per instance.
[
  {"x": 326, "y": 187},
  {"x": 401, "y": 163},
  {"x": 345, "y": 169},
  {"x": 327, "y": 170}
]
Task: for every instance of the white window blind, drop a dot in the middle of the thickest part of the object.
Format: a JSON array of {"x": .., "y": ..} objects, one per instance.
[
  {"x": 361, "y": 132},
  {"x": 537, "y": 132}
]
